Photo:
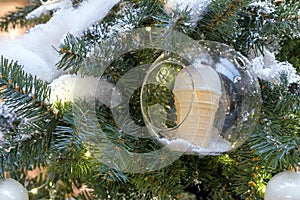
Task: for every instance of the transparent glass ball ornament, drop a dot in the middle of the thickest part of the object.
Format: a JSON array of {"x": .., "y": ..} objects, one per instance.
[{"x": 207, "y": 103}]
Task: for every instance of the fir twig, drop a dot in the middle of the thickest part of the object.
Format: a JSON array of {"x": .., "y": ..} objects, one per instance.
[
  {"x": 74, "y": 51},
  {"x": 277, "y": 139},
  {"x": 247, "y": 26},
  {"x": 17, "y": 18},
  {"x": 25, "y": 95}
]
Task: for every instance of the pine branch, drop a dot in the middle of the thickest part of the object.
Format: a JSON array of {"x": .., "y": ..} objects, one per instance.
[
  {"x": 25, "y": 95},
  {"x": 247, "y": 26},
  {"x": 228, "y": 22},
  {"x": 250, "y": 180},
  {"x": 15, "y": 83},
  {"x": 42, "y": 138},
  {"x": 286, "y": 19},
  {"x": 277, "y": 140},
  {"x": 74, "y": 50},
  {"x": 17, "y": 18},
  {"x": 101, "y": 144},
  {"x": 175, "y": 20},
  {"x": 290, "y": 52},
  {"x": 123, "y": 17}
]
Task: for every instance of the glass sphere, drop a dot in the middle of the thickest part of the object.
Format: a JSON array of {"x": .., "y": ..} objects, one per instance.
[{"x": 207, "y": 103}]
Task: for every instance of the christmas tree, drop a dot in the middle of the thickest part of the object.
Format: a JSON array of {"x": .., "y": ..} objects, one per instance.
[{"x": 92, "y": 102}]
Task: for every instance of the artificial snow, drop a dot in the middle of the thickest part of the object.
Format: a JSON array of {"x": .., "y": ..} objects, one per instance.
[
  {"x": 214, "y": 148},
  {"x": 264, "y": 7},
  {"x": 124, "y": 24},
  {"x": 198, "y": 7},
  {"x": 7, "y": 117},
  {"x": 46, "y": 7},
  {"x": 35, "y": 50},
  {"x": 268, "y": 68}
]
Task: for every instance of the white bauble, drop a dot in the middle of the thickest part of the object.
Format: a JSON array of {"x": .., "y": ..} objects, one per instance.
[
  {"x": 69, "y": 88},
  {"x": 11, "y": 189},
  {"x": 284, "y": 186}
]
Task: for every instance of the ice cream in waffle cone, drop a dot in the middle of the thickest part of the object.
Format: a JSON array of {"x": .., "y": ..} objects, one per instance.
[{"x": 197, "y": 93}]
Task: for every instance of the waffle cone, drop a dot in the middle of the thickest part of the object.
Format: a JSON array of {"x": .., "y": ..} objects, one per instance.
[{"x": 196, "y": 115}]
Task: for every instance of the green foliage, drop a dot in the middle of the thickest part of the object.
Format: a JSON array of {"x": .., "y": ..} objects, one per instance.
[
  {"x": 247, "y": 27},
  {"x": 17, "y": 18},
  {"x": 290, "y": 52},
  {"x": 175, "y": 20},
  {"x": 135, "y": 13},
  {"x": 35, "y": 136},
  {"x": 232, "y": 23},
  {"x": 74, "y": 50},
  {"x": 277, "y": 140},
  {"x": 24, "y": 95}
]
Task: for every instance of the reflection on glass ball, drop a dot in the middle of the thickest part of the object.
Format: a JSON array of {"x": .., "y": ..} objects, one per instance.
[
  {"x": 209, "y": 104},
  {"x": 242, "y": 90}
]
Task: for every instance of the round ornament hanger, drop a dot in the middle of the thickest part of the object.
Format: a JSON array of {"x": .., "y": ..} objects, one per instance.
[{"x": 45, "y": 2}]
